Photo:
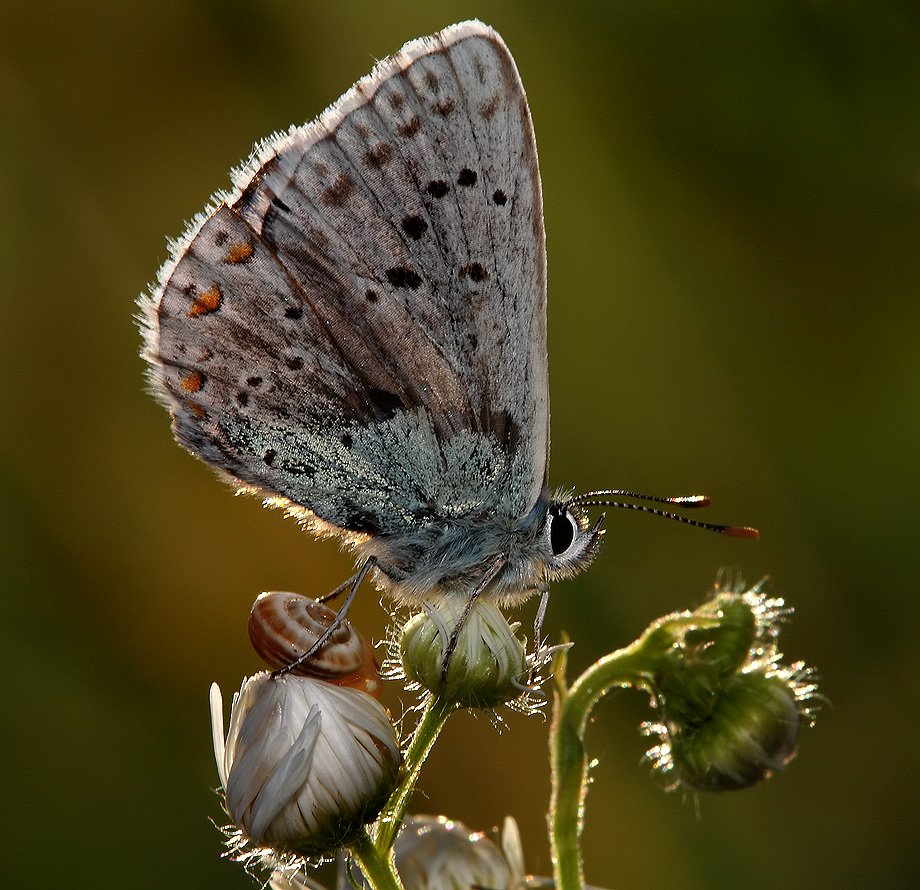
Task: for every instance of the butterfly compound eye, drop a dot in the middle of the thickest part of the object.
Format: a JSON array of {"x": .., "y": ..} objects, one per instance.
[{"x": 562, "y": 530}]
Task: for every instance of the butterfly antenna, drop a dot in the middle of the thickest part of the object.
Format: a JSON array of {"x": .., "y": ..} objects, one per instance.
[{"x": 600, "y": 499}]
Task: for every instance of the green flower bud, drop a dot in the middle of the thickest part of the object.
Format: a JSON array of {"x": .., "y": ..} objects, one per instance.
[
  {"x": 704, "y": 655},
  {"x": 486, "y": 666},
  {"x": 750, "y": 732},
  {"x": 725, "y": 646},
  {"x": 731, "y": 712}
]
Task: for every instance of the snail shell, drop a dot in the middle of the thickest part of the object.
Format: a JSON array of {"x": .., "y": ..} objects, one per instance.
[{"x": 283, "y": 626}]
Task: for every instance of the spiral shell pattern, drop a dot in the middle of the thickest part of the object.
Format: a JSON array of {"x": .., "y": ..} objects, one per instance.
[{"x": 283, "y": 626}]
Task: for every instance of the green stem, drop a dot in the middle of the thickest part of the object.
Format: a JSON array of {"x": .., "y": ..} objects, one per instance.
[
  {"x": 567, "y": 749},
  {"x": 426, "y": 733},
  {"x": 377, "y": 867},
  {"x": 570, "y": 773}
]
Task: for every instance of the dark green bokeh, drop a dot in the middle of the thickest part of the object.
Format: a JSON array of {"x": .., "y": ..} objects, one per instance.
[{"x": 732, "y": 201}]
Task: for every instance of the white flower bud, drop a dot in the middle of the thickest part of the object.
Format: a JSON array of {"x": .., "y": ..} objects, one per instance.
[
  {"x": 486, "y": 666},
  {"x": 281, "y": 880},
  {"x": 305, "y": 763},
  {"x": 437, "y": 853}
]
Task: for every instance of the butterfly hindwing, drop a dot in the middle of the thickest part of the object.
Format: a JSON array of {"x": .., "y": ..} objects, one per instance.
[{"x": 360, "y": 326}]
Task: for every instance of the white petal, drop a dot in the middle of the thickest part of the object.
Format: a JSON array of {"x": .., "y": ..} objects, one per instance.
[
  {"x": 435, "y": 616},
  {"x": 217, "y": 732},
  {"x": 514, "y": 852},
  {"x": 298, "y": 881},
  {"x": 288, "y": 777},
  {"x": 254, "y": 744}
]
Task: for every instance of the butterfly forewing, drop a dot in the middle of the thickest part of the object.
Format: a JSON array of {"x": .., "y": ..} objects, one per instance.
[{"x": 360, "y": 327}]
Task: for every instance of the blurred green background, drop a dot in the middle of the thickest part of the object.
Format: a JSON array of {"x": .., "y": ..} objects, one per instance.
[{"x": 732, "y": 196}]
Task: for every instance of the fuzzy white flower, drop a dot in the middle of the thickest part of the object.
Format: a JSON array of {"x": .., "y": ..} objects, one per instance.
[
  {"x": 437, "y": 853},
  {"x": 304, "y": 764},
  {"x": 297, "y": 881}
]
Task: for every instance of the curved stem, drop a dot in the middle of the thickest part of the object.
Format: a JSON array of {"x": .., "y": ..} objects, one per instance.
[
  {"x": 570, "y": 773},
  {"x": 426, "y": 733},
  {"x": 621, "y": 668},
  {"x": 376, "y": 866},
  {"x": 569, "y": 758}
]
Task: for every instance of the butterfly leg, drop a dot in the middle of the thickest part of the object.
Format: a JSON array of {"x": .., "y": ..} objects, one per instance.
[
  {"x": 338, "y": 591},
  {"x": 489, "y": 577},
  {"x": 355, "y": 582}
]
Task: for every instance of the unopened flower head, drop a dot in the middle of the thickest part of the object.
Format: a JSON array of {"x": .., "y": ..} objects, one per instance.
[
  {"x": 486, "y": 668},
  {"x": 304, "y": 764},
  {"x": 437, "y": 853},
  {"x": 284, "y": 879},
  {"x": 751, "y": 732},
  {"x": 731, "y": 712}
]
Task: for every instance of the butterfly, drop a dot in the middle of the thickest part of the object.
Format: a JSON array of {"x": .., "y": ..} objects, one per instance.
[{"x": 357, "y": 332}]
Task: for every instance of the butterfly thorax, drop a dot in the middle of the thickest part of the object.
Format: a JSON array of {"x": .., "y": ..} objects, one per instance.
[{"x": 450, "y": 558}]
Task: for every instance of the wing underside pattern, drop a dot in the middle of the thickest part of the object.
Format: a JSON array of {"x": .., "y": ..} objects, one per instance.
[{"x": 359, "y": 327}]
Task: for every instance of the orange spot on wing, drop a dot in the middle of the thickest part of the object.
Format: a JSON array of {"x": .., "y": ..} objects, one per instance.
[
  {"x": 192, "y": 382},
  {"x": 196, "y": 410},
  {"x": 206, "y": 302},
  {"x": 239, "y": 253}
]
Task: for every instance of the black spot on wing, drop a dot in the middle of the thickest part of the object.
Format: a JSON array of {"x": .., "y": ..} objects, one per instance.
[
  {"x": 298, "y": 469},
  {"x": 403, "y": 277},
  {"x": 385, "y": 404},
  {"x": 475, "y": 271},
  {"x": 437, "y": 188},
  {"x": 357, "y": 519},
  {"x": 467, "y": 177},
  {"x": 414, "y": 226}
]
